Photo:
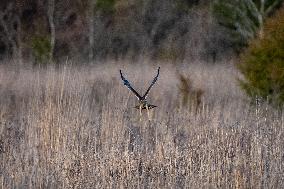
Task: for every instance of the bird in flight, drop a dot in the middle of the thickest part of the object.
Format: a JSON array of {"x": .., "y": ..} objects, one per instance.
[{"x": 143, "y": 104}]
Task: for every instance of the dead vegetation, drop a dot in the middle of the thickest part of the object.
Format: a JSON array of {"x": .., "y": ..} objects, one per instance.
[
  {"x": 190, "y": 95},
  {"x": 76, "y": 128}
]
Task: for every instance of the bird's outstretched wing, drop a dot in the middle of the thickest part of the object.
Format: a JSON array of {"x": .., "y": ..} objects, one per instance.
[
  {"x": 152, "y": 84},
  {"x": 128, "y": 85}
]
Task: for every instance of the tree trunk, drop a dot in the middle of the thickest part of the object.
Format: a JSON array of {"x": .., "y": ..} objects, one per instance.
[
  {"x": 91, "y": 18},
  {"x": 261, "y": 17},
  {"x": 52, "y": 27},
  {"x": 19, "y": 42}
]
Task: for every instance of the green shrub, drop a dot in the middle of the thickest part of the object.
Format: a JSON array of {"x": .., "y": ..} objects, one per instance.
[
  {"x": 41, "y": 48},
  {"x": 106, "y": 6},
  {"x": 263, "y": 63}
]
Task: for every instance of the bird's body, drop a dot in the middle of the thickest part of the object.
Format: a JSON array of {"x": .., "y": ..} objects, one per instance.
[{"x": 144, "y": 104}]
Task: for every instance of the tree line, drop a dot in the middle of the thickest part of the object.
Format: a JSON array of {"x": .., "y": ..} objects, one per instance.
[{"x": 42, "y": 31}]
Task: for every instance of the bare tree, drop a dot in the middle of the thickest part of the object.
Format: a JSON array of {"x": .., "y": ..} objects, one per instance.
[
  {"x": 11, "y": 31},
  {"x": 265, "y": 8},
  {"x": 52, "y": 26},
  {"x": 243, "y": 19},
  {"x": 91, "y": 18}
]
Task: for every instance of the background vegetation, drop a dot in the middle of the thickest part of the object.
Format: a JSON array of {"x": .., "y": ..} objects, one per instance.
[
  {"x": 243, "y": 19},
  {"x": 263, "y": 63},
  {"x": 67, "y": 124},
  {"x": 113, "y": 29}
]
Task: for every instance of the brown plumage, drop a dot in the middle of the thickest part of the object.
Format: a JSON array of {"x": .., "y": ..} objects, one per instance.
[{"x": 143, "y": 104}]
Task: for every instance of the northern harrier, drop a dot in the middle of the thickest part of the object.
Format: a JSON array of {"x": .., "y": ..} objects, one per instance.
[{"x": 143, "y": 104}]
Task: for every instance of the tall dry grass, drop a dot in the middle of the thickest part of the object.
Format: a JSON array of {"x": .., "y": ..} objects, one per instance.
[{"x": 75, "y": 127}]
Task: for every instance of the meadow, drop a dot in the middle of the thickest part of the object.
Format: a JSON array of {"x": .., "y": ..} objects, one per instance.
[{"x": 75, "y": 127}]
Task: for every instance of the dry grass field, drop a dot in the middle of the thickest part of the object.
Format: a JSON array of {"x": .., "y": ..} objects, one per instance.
[{"x": 75, "y": 127}]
